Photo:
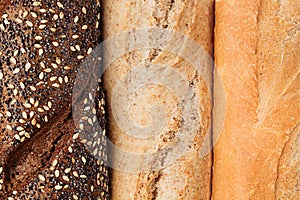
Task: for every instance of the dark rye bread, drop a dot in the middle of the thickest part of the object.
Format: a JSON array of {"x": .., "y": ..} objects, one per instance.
[{"x": 43, "y": 154}]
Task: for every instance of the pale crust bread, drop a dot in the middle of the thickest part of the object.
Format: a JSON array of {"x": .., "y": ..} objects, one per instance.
[
  {"x": 190, "y": 177},
  {"x": 257, "y": 57}
]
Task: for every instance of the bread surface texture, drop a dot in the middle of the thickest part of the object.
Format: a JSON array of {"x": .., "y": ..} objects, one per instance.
[
  {"x": 257, "y": 58},
  {"x": 188, "y": 177},
  {"x": 46, "y": 152}
]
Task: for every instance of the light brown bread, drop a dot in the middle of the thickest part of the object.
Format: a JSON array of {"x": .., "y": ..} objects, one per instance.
[
  {"x": 257, "y": 57},
  {"x": 190, "y": 176}
]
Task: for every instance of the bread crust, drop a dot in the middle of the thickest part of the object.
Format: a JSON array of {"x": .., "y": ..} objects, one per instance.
[
  {"x": 256, "y": 48},
  {"x": 188, "y": 177}
]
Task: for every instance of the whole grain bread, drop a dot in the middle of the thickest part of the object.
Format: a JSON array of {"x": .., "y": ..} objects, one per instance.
[{"x": 45, "y": 153}]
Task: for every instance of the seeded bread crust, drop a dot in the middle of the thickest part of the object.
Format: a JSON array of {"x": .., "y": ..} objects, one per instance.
[{"x": 44, "y": 154}]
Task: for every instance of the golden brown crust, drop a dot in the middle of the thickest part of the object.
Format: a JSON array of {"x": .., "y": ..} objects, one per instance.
[{"x": 255, "y": 48}]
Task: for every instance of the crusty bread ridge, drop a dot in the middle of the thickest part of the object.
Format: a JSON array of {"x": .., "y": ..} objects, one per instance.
[{"x": 257, "y": 57}]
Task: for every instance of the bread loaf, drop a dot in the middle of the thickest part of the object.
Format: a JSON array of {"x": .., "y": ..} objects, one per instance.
[
  {"x": 189, "y": 176},
  {"x": 44, "y": 152},
  {"x": 257, "y": 58}
]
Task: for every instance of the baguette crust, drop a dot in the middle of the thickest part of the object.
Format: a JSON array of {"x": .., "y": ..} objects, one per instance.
[
  {"x": 256, "y": 51},
  {"x": 189, "y": 177}
]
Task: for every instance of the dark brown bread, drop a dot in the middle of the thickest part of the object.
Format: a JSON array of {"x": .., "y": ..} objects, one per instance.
[{"x": 43, "y": 154}]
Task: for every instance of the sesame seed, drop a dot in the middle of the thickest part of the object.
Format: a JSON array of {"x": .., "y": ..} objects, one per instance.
[
  {"x": 81, "y": 126},
  {"x": 61, "y": 15},
  {"x": 22, "y": 139},
  {"x": 31, "y": 100},
  {"x": 55, "y": 44},
  {"x": 44, "y": 21},
  {"x": 97, "y": 24},
  {"x": 75, "y": 136},
  {"x": 10, "y": 86},
  {"x": 53, "y": 78},
  {"x": 72, "y": 48},
  {"x": 75, "y": 36},
  {"x": 46, "y": 107},
  {"x": 84, "y": 27},
  {"x": 23, "y": 50},
  {"x": 48, "y": 70},
  {"x": 27, "y": 66},
  {"x": 27, "y": 135},
  {"x": 17, "y": 137},
  {"x": 27, "y": 105},
  {"x": 70, "y": 149},
  {"x": 84, "y": 10},
  {"x": 67, "y": 68},
  {"x": 75, "y": 197},
  {"x": 77, "y": 47},
  {"x": 24, "y": 115},
  {"x": 40, "y": 110},
  {"x": 1, "y": 75},
  {"x": 42, "y": 10},
  {"x": 33, "y": 122},
  {"x": 36, "y": 3},
  {"x": 25, "y": 14},
  {"x": 42, "y": 178},
  {"x": 31, "y": 114},
  {"x": 10, "y": 198},
  {"x": 1, "y": 170},
  {"x": 37, "y": 46},
  {"x": 56, "y": 173},
  {"x": 22, "y": 121},
  {"x": 60, "y": 5},
  {"x": 58, "y": 187},
  {"x": 76, "y": 19},
  {"x": 83, "y": 176},
  {"x": 2, "y": 27},
  {"x": 51, "y": 10},
  {"x": 9, "y": 127},
  {"x": 33, "y": 14},
  {"x": 41, "y": 51},
  {"x": 17, "y": 70},
  {"x": 54, "y": 65},
  {"x": 36, "y": 104},
  {"x": 46, "y": 118},
  {"x": 60, "y": 80},
  {"x": 38, "y": 125},
  {"x": 38, "y": 37},
  {"x": 83, "y": 159},
  {"x": 42, "y": 26},
  {"x": 16, "y": 52},
  {"x": 58, "y": 61},
  {"x": 54, "y": 163},
  {"x": 8, "y": 113},
  {"x": 80, "y": 57},
  {"x": 55, "y": 85},
  {"x": 18, "y": 20},
  {"x": 55, "y": 17},
  {"x": 89, "y": 51},
  {"x": 66, "y": 79},
  {"x": 19, "y": 128},
  {"x": 66, "y": 178},
  {"x": 41, "y": 75},
  {"x": 75, "y": 174},
  {"x": 42, "y": 64},
  {"x": 30, "y": 24},
  {"x": 49, "y": 104},
  {"x": 13, "y": 60},
  {"x": 92, "y": 188},
  {"x": 67, "y": 170}
]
